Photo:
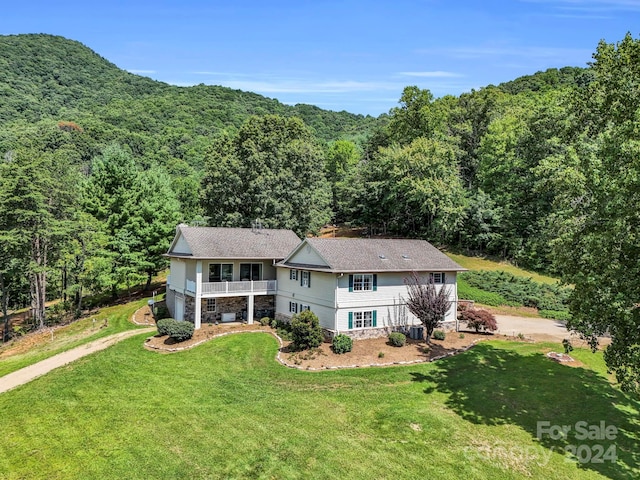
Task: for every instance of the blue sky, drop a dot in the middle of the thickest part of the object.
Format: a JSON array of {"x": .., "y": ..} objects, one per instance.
[{"x": 349, "y": 55}]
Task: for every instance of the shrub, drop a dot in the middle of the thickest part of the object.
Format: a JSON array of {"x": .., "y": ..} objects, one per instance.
[
  {"x": 439, "y": 335},
  {"x": 478, "y": 318},
  {"x": 284, "y": 334},
  {"x": 461, "y": 335},
  {"x": 265, "y": 321},
  {"x": 161, "y": 311},
  {"x": 164, "y": 325},
  {"x": 342, "y": 343},
  {"x": 380, "y": 354},
  {"x": 397, "y": 339},
  {"x": 566, "y": 343},
  {"x": 306, "y": 331},
  {"x": 181, "y": 331}
]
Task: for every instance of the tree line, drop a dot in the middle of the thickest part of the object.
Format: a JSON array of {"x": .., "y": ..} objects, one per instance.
[{"x": 542, "y": 171}]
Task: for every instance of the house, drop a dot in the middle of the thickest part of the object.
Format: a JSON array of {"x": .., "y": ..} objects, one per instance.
[
  {"x": 354, "y": 286},
  {"x": 225, "y": 274},
  {"x": 357, "y": 286}
]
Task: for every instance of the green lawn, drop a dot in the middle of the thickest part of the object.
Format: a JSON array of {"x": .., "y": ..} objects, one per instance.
[
  {"x": 73, "y": 335},
  {"x": 226, "y": 409},
  {"x": 481, "y": 263}
]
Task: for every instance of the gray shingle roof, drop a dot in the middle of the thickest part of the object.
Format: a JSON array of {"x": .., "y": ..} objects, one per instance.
[
  {"x": 380, "y": 255},
  {"x": 220, "y": 242}
]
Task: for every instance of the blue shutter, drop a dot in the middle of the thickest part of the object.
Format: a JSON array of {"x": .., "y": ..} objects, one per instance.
[
  {"x": 309, "y": 280},
  {"x": 301, "y": 277},
  {"x": 350, "y": 285},
  {"x": 375, "y": 316},
  {"x": 350, "y": 320},
  {"x": 375, "y": 284}
]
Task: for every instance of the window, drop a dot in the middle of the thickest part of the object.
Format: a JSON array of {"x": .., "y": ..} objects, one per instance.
[
  {"x": 211, "y": 305},
  {"x": 293, "y": 274},
  {"x": 221, "y": 272},
  {"x": 304, "y": 307},
  {"x": 305, "y": 279},
  {"x": 293, "y": 307},
  {"x": 362, "y": 319},
  {"x": 437, "y": 277},
  {"x": 363, "y": 283},
  {"x": 250, "y": 271}
]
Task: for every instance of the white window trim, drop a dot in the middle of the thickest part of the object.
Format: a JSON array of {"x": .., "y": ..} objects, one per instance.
[
  {"x": 306, "y": 279},
  {"x": 363, "y": 318},
  {"x": 293, "y": 275},
  {"x": 215, "y": 305},
  {"x": 362, "y": 283},
  {"x": 438, "y": 277},
  {"x": 293, "y": 307}
]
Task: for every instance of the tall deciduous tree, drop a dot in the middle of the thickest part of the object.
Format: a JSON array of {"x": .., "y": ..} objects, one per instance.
[
  {"x": 415, "y": 189},
  {"x": 599, "y": 242},
  {"x": 272, "y": 170}
]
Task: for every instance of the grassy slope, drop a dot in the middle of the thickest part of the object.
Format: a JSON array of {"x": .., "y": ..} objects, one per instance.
[
  {"x": 226, "y": 409},
  {"x": 481, "y": 263},
  {"x": 70, "y": 336}
]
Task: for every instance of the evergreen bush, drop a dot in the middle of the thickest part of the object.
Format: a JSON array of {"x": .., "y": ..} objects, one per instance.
[
  {"x": 397, "y": 339},
  {"x": 342, "y": 343},
  {"x": 306, "y": 331}
]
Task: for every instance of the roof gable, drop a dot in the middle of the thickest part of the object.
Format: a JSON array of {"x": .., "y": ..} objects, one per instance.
[
  {"x": 378, "y": 255},
  {"x": 306, "y": 255},
  {"x": 232, "y": 243}
]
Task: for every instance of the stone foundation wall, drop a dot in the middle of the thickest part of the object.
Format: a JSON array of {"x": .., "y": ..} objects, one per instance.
[
  {"x": 365, "y": 333},
  {"x": 189, "y": 309}
]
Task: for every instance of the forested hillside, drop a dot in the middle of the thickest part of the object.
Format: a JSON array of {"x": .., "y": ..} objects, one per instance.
[{"x": 99, "y": 165}]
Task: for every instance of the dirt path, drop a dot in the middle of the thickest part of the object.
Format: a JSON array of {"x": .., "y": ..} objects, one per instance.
[{"x": 26, "y": 374}]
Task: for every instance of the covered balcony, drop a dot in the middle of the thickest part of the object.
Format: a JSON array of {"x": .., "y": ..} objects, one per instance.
[{"x": 229, "y": 289}]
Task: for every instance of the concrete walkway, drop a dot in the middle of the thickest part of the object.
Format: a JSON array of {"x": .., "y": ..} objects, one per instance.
[{"x": 26, "y": 374}]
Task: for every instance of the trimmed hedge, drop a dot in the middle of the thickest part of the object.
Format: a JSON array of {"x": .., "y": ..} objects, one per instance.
[
  {"x": 164, "y": 326},
  {"x": 342, "y": 343},
  {"x": 179, "y": 331}
]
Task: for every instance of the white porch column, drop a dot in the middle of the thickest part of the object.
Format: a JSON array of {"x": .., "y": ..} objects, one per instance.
[
  {"x": 250, "y": 309},
  {"x": 198, "y": 307}
]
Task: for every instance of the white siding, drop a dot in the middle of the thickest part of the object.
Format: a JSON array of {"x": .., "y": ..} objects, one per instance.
[
  {"x": 387, "y": 300},
  {"x": 178, "y": 274},
  {"x": 307, "y": 256},
  {"x": 320, "y": 297},
  {"x": 181, "y": 246}
]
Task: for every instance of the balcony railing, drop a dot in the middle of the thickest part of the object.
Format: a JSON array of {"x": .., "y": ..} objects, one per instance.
[{"x": 252, "y": 286}]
